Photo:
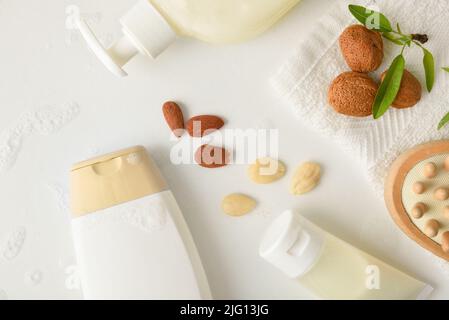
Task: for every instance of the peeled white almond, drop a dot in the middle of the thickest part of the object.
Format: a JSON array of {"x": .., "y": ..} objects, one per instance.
[
  {"x": 266, "y": 170},
  {"x": 237, "y": 204},
  {"x": 305, "y": 178}
]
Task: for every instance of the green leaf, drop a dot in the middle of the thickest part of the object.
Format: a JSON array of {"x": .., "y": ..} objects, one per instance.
[
  {"x": 371, "y": 19},
  {"x": 399, "y": 28},
  {"x": 445, "y": 69},
  {"x": 390, "y": 37},
  {"x": 443, "y": 121},
  {"x": 429, "y": 68},
  {"x": 389, "y": 87}
]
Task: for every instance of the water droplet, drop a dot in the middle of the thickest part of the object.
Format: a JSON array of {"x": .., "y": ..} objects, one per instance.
[
  {"x": 33, "y": 277},
  {"x": 133, "y": 158},
  {"x": 72, "y": 281},
  {"x": 263, "y": 212},
  {"x": 62, "y": 198}
]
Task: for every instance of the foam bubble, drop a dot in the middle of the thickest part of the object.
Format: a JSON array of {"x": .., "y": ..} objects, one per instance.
[
  {"x": 146, "y": 214},
  {"x": 44, "y": 120},
  {"x": 145, "y": 217},
  {"x": 14, "y": 243}
]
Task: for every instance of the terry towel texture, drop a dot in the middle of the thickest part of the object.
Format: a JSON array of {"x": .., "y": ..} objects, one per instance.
[{"x": 304, "y": 80}]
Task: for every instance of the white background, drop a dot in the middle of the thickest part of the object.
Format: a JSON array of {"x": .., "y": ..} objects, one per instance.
[{"x": 44, "y": 63}]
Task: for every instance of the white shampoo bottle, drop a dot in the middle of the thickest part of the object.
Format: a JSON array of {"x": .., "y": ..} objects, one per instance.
[{"x": 130, "y": 237}]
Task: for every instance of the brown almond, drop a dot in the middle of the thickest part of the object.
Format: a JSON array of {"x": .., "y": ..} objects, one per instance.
[
  {"x": 174, "y": 117},
  {"x": 409, "y": 92},
  {"x": 361, "y": 48},
  {"x": 202, "y": 125},
  {"x": 209, "y": 156},
  {"x": 352, "y": 94}
]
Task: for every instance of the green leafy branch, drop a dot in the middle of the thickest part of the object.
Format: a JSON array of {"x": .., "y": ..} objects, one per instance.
[{"x": 391, "y": 84}]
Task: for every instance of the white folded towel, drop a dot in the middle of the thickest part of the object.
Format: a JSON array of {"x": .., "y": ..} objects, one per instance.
[{"x": 304, "y": 80}]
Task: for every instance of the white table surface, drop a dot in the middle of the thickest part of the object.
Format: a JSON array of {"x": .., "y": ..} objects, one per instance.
[{"x": 44, "y": 63}]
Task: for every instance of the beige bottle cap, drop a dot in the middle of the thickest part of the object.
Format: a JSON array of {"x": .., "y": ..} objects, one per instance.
[{"x": 114, "y": 178}]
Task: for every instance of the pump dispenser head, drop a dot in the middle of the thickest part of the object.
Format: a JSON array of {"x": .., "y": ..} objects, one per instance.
[
  {"x": 145, "y": 31},
  {"x": 292, "y": 244}
]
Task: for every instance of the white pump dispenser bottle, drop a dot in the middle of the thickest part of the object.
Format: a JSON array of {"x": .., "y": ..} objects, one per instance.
[{"x": 152, "y": 25}]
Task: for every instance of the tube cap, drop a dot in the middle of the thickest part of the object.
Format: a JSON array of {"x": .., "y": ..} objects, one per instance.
[
  {"x": 145, "y": 31},
  {"x": 292, "y": 244},
  {"x": 114, "y": 178}
]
